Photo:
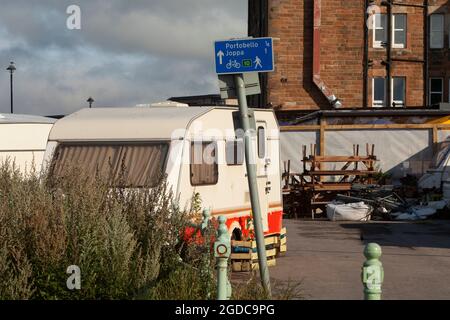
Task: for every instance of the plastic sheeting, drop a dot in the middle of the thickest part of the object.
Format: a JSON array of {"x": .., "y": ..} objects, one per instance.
[
  {"x": 358, "y": 211},
  {"x": 443, "y": 135},
  {"x": 291, "y": 147},
  {"x": 400, "y": 151}
]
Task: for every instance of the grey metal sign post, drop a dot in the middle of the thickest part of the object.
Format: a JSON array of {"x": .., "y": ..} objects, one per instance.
[{"x": 238, "y": 57}]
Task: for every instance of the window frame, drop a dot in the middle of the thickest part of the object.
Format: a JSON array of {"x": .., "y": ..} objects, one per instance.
[
  {"x": 63, "y": 144},
  {"x": 403, "y": 103},
  {"x": 436, "y": 92},
  {"x": 442, "y": 36},
  {"x": 376, "y": 43},
  {"x": 375, "y": 103},
  {"x": 381, "y": 103},
  {"x": 216, "y": 164},
  {"x": 394, "y": 29}
]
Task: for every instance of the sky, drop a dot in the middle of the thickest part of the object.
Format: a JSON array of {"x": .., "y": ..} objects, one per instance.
[{"x": 127, "y": 52}]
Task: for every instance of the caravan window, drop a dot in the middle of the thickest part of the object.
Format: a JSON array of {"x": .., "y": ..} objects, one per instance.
[
  {"x": 234, "y": 152},
  {"x": 122, "y": 164},
  {"x": 204, "y": 167},
  {"x": 261, "y": 142}
]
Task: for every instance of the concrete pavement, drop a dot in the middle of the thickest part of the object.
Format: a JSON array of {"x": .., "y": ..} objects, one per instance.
[{"x": 327, "y": 257}]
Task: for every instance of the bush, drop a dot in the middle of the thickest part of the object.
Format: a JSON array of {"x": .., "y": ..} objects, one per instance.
[{"x": 127, "y": 242}]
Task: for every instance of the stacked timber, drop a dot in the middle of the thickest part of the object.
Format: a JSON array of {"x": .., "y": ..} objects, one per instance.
[{"x": 244, "y": 256}]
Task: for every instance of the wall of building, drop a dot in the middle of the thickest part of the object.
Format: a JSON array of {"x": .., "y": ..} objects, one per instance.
[
  {"x": 439, "y": 59},
  {"x": 342, "y": 49}
]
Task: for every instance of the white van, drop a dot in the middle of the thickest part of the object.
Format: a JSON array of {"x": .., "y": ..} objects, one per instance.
[
  {"x": 24, "y": 140},
  {"x": 197, "y": 147}
]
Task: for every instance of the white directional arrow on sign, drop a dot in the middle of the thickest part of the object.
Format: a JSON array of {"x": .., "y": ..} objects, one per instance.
[{"x": 220, "y": 54}]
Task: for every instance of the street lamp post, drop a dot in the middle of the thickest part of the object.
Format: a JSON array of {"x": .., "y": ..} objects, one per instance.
[
  {"x": 90, "y": 101},
  {"x": 11, "y": 70}
]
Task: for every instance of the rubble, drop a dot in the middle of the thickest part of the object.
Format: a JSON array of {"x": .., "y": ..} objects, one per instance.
[{"x": 387, "y": 204}]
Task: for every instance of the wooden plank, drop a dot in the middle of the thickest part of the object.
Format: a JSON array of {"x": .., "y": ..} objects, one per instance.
[
  {"x": 267, "y": 241},
  {"x": 418, "y": 126},
  {"x": 435, "y": 139},
  {"x": 300, "y": 128},
  {"x": 340, "y": 158},
  {"x": 283, "y": 241},
  {"x": 323, "y": 123},
  {"x": 270, "y": 263},
  {"x": 340, "y": 172},
  {"x": 435, "y": 135},
  {"x": 380, "y": 126},
  {"x": 283, "y": 248},
  {"x": 241, "y": 256},
  {"x": 269, "y": 253},
  {"x": 236, "y": 266},
  {"x": 329, "y": 187},
  {"x": 246, "y": 244}
]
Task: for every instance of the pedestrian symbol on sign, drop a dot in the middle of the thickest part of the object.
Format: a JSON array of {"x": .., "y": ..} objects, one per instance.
[{"x": 258, "y": 63}]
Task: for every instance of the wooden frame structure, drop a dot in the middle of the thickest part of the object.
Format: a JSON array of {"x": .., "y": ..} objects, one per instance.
[
  {"x": 310, "y": 190},
  {"x": 292, "y": 199}
]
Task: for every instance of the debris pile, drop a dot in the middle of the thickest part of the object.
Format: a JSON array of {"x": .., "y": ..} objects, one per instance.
[{"x": 384, "y": 203}]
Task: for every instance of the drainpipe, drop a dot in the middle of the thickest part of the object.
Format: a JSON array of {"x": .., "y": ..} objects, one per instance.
[
  {"x": 389, "y": 55},
  {"x": 425, "y": 53},
  {"x": 317, "y": 80},
  {"x": 366, "y": 56}
]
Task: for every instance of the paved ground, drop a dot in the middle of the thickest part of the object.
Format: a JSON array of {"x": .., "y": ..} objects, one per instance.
[{"x": 327, "y": 256}]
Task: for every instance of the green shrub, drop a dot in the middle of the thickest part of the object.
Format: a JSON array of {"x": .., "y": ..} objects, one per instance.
[{"x": 127, "y": 242}]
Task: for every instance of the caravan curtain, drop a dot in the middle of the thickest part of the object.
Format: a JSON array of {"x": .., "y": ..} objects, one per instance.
[{"x": 128, "y": 165}]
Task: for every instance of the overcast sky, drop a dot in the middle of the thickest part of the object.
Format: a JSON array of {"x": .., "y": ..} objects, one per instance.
[{"x": 127, "y": 52}]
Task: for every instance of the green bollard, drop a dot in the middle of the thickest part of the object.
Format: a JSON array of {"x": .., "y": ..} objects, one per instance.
[
  {"x": 206, "y": 217},
  {"x": 372, "y": 272},
  {"x": 222, "y": 251}
]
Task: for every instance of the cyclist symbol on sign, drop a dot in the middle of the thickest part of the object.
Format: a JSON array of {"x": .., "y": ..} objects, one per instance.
[
  {"x": 258, "y": 63},
  {"x": 233, "y": 64}
]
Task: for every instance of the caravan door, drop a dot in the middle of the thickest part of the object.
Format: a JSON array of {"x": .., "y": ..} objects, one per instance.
[{"x": 261, "y": 171}]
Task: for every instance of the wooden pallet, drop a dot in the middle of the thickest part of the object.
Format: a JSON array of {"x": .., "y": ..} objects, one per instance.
[{"x": 247, "y": 261}]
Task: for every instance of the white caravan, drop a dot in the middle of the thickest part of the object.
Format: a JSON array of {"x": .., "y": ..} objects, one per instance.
[
  {"x": 24, "y": 140},
  {"x": 197, "y": 147}
]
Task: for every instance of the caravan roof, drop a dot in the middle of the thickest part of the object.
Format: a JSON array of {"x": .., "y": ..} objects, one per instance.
[
  {"x": 24, "y": 118},
  {"x": 125, "y": 123}
]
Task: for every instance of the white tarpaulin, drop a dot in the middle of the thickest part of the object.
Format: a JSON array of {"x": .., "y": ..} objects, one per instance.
[
  {"x": 358, "y": 211},
  {"x": 291, "y": 147},
  {"x": 400, "y": 151}
]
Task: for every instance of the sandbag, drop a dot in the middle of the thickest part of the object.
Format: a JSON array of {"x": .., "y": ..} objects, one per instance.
[{"x": 358, "y": 211}]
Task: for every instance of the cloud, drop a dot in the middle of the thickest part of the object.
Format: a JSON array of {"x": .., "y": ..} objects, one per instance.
[{"x": 127, "y": 52}]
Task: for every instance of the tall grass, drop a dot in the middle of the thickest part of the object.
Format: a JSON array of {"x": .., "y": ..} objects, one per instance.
[{"x": 127, "y": 242}]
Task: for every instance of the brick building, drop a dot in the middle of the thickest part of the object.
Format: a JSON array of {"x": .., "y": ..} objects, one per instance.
[{"x": 336, "y": 53}]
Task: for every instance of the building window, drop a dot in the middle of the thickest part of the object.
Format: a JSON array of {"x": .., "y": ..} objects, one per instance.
[
  {"x": 398, "y": 91},
  {"x": 436, "y": 90},
  {"x": 399, "y": 31},
  {"x": 234, "y": 152},
  {"x": 204, "y": 167},
  {"x": 261, "y": 142},
  {"x": 378, "y": 92},
  {"x": 437, "y": 31},
  {"x": 379, "y": 30}
]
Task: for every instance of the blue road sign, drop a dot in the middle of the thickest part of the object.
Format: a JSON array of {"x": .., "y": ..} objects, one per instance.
[{"x": 244, "y": 55}]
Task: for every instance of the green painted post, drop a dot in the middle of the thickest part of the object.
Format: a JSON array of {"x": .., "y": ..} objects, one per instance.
[
  {"x": 222, "y": 251},
  {"x": 372, "y": 272},
  {"x": 206, "y": 272},
  {"x": 252, "y": 183},
  {"x": 206, "y": 217}
]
